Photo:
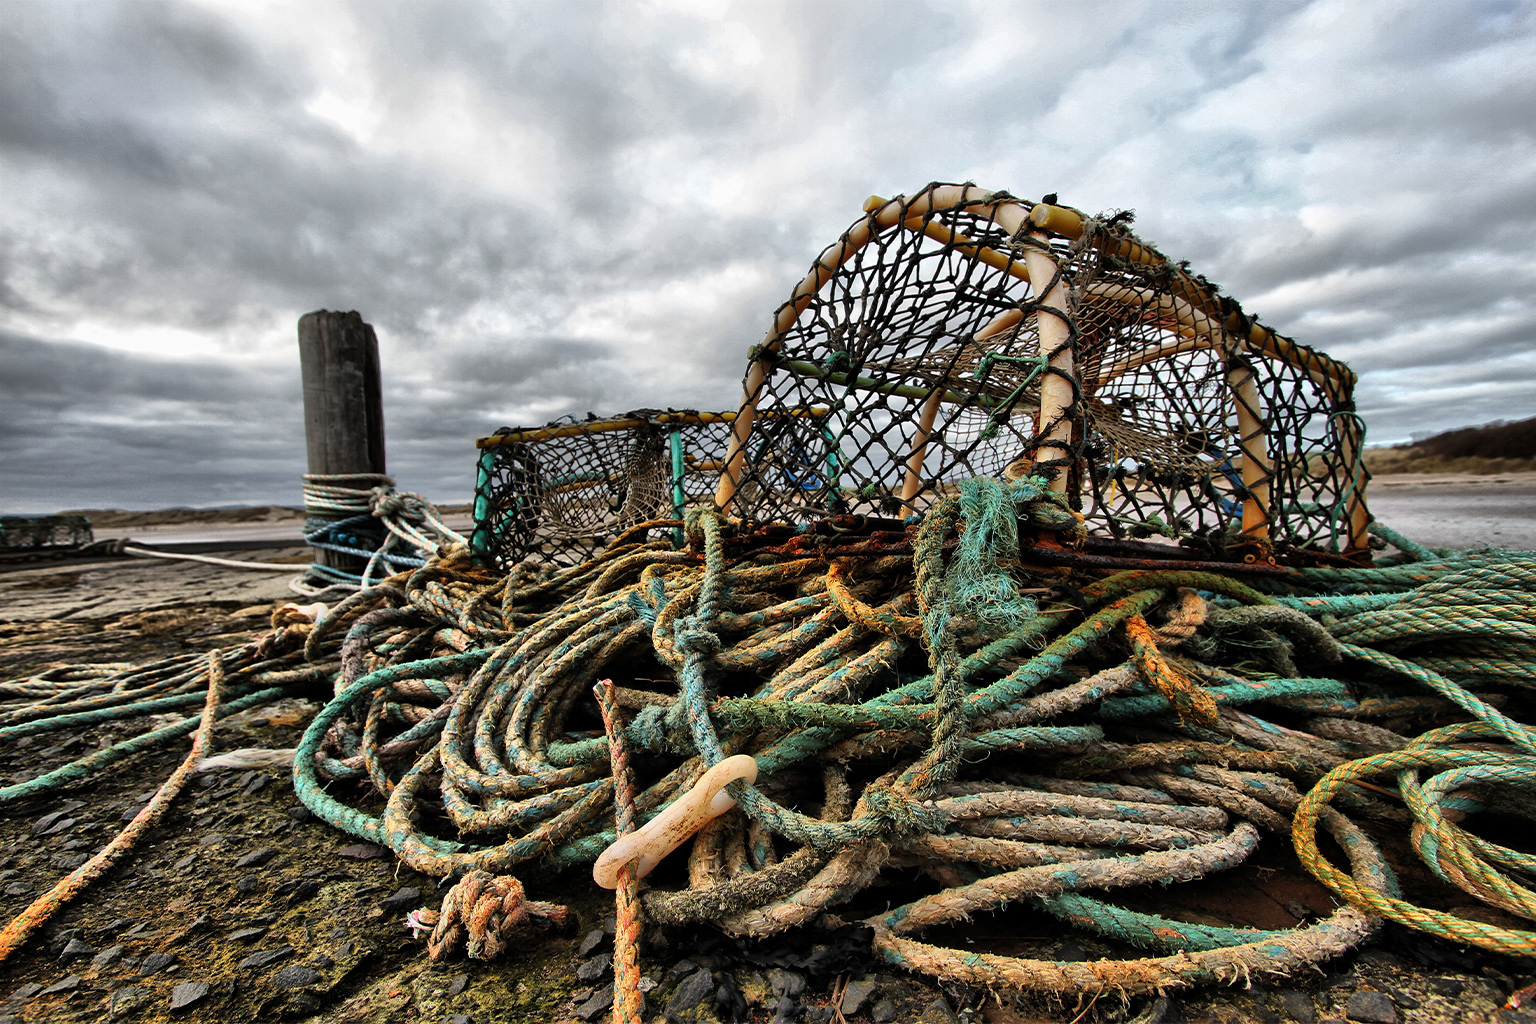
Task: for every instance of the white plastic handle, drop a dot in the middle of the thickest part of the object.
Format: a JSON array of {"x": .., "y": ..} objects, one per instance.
[{"x": 675, "y": 825}]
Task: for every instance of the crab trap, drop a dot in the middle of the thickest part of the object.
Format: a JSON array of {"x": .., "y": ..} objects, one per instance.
[
  {"x": 560, "y": 492},
  {"x": 958, "y": 333},
  {"x": 23, "y": 534}
]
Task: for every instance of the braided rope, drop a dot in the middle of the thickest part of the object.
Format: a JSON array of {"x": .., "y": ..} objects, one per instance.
[{"x": 627, "y": 999}]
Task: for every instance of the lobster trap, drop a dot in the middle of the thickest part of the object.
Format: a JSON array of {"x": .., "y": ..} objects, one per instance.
[
  {"x": 959, "y": 333},
  {"x": 19, "y": 534},
  {"x": 560, "y": 492}
]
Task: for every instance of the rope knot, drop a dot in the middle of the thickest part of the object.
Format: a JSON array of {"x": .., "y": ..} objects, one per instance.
[
  {"x": 903, "y": 816},
  {"x": 662, "y": 729},
  {"x": 384, "y": 502},
  {"x": 483, "y": 910},
  {"x": 693, "y": 637}
]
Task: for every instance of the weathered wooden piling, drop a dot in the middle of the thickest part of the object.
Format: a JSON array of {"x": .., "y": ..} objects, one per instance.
[{"x": 343, "y": 405}]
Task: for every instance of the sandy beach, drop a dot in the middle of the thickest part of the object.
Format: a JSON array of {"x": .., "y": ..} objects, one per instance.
[{"x": 1458, "y": 509}]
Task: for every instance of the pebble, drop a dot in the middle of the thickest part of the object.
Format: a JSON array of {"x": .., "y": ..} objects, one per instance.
[
  {"x": 248, "y": 884},
  {"x": 70, "y": 861},
  {"x": 68, "y": 983},
  {"x": 211, "y": 839},
  {"x": 590, "y": 941},
  {"x": 296, "y": 976},
  {"x": 58, "y": 940},
  {"x": 42, "y": 824},
  {"x": 692, "y": 994},
  {"x": 17, "y": 889},
  {"x": 296, "y": 890},
  {"x": 405, "y": 898},
  {"x": 856, "y": 995},
  {"x": 298, "y": 812},
  {"x": 107, "y": 957},
  {"x": 360, "y": 851},
  {"x": 594, "y": 1006},
  {"x": 1448, "y": 987},
  {"x": 256, "y": 858},
  {"x": 591, "y": 970},
  {"x": 729, "y": 998},
  {"x": 185, "y": 862},
  {"x": 786, "y": 983},
  {"x": 246, "y": 935},
  {"x": 1371, "y": 1007},
  {"x": 459, "y": 983},
  {"x": 74, "y": 950},
  {"x": 937, "y": 1012},
  {"x": 156, "y": 962},
  {"x": 188, "y": 994},
  {"x": 266, "y": 958},
  {"x": 885, "y": 1011},
  {"x": 1297, "y": 1005},
  {"x": 255, "y": 786}
]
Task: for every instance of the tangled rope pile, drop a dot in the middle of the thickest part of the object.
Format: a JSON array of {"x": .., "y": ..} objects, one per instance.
[
  {"x": 944, "y": 707},
  {"x": 1061, "y": 733}
]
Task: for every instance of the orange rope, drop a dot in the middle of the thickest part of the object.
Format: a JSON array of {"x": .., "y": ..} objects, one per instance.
[
  {"x": 1189, "y": 699},
  {"x": 627, "y": 998}
]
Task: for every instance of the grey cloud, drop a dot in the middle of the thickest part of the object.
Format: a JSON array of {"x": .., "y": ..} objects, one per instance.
[
  {"x": 81, "y": 424},
  {"x": 166, "y": 171}
]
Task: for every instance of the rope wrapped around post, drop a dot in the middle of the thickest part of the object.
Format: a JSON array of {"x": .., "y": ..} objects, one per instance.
[{"x": 362, "y": 515}]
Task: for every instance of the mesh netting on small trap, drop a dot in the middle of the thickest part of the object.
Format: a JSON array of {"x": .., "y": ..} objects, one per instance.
[
  {"x": 560, "y": 492},
  {"x": 957, "y": 333}
]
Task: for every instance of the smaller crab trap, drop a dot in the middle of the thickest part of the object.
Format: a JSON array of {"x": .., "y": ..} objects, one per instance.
[
  {"x": 560, "y": 492},
  {"x": 960, "y": 332}
]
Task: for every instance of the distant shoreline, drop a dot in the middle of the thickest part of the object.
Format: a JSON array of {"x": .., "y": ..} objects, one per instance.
[{"x": 119, "y": 519}]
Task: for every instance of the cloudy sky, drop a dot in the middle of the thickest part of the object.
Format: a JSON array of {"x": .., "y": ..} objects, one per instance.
[{"x": 556, "y": 207}]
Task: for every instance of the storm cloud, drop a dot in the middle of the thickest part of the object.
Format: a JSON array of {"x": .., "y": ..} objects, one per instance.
[{"x": 550, "y": 209}]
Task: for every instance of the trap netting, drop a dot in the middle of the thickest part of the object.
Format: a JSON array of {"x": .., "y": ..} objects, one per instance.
[
  {"x": 559, "y": 493},
  {"x": 959, "y": 333}
]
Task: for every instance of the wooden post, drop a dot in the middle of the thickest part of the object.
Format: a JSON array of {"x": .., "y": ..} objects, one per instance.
[{"x": 343, "y": 403}]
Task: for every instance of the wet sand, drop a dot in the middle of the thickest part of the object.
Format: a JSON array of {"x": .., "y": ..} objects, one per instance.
[{"x": 1458, "y": 510}]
